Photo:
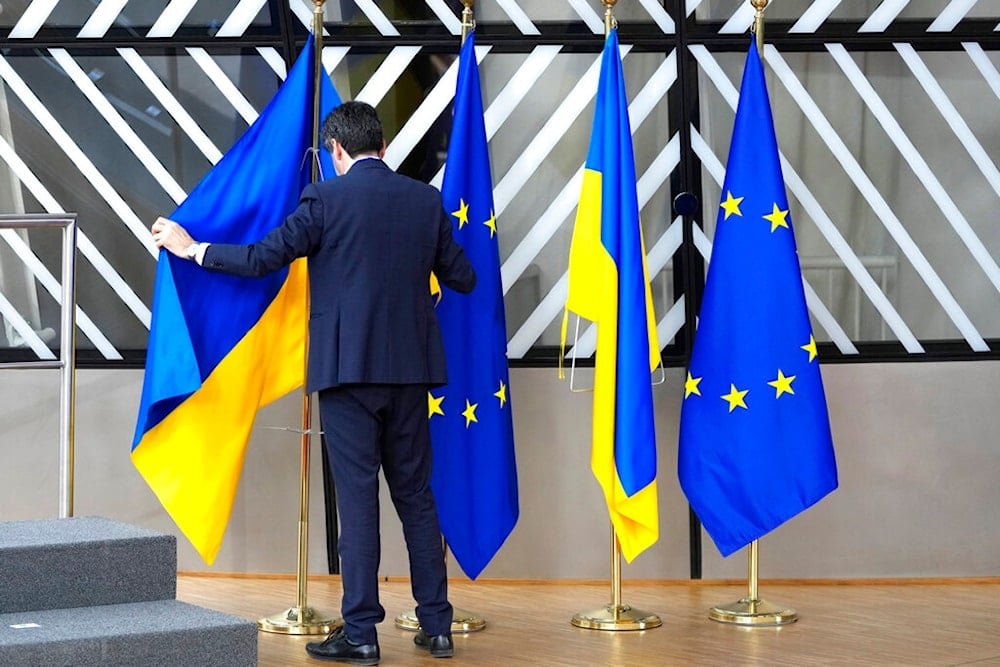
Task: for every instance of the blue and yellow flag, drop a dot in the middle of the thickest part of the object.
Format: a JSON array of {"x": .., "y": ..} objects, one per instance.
[
  {"x": 222, "y": 346},
  {"x": 475, "y": 478},
  {"x": 755, "y": 445},
  {"x": 609, "y": 285}
]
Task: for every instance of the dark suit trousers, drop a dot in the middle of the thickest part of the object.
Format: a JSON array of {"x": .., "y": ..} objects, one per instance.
[{"x": 368, "y": 426}]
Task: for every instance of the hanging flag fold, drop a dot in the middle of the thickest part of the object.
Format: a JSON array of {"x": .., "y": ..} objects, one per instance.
[
  {"x": 609, "y": 285},
  {"x": 222, "y": 346},
  {"x": 472, "y": 433},
  {"x": 755, "y": 446}
]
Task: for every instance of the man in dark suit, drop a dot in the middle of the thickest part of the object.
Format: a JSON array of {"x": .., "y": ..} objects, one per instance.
[{"x": 372, "y": 238}]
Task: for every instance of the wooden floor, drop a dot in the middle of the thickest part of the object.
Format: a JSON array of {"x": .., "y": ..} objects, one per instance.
[{"x": 944, "y": 622}]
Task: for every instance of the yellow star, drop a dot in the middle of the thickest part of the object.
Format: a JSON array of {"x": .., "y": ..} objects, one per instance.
[
  {"x": 777, "y": 218},
  {"x": 691, "y": 386},
  {"x": 783, "y": 385},
  {"x": 502, "y": 394},
  {"x": 735, "y": 397},
  {"x": 492, "y": 224},
  {"x": 462, "y": 213},
  {"x": 731, "y": 205},
  {"x": 434, "y": 405},
  {"x": 811, "y": 348},
  {"x": 470, "y": 413}
]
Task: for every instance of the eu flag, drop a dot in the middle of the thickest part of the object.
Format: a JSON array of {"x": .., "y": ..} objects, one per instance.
[
  {"x": 222, "y": 346},
  {"x": 755, "y": 444},
  {"x": 609, "y": 285},
  {"x": 475, "y": 477}
]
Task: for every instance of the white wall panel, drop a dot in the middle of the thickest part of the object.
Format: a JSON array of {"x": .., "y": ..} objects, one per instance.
[{"x": 916, "y": 449}]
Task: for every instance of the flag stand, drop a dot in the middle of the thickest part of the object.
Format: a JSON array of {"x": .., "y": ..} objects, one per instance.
[
  {"x": 616, "y": 616},
  {"x": 302, "y": 619},
  {"x": 462, "y": 621},
  {"x": 751, "y": 610}
]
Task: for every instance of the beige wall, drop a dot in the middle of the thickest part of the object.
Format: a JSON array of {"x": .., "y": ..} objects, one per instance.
[{"x": 916, "y": 446}]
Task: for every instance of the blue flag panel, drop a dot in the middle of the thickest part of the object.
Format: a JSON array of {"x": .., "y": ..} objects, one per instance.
[
  {"x": 755, "y": 444},
  {"x": 475, "y": 478}
]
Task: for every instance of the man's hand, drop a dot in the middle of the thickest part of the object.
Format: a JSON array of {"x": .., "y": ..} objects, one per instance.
[{"x": 169, "y": 235}]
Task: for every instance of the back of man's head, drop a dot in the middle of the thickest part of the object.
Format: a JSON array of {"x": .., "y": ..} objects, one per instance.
[{"x": 355, "y": 126}]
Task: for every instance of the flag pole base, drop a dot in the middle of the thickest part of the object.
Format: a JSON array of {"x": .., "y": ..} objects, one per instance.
[
  {"x": 299, "y": 621},
  {"x": 753, "y": 612},
  {"x": 621, "y": 617},
  {"x": 462, "y": 622}
]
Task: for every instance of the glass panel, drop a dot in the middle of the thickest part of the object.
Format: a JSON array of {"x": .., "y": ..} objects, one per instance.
[
  {"x": 846, "y": 10},
  {"x": 138, "y": 16},
  {"x": 546, "y": 10},
  {"x": 529, "y": 206},
  {"x": 76, "y": 187},
  {"x": 910, "y": 243},
  {"x": 20, "y": 288},
  {"x": 561, "y": 147},
  {"x": 212, "y": 14}
]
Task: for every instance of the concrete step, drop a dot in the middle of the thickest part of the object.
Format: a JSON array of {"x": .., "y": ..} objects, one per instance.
[
  {"x": 160, "y": 633},
  {"x": 85, "y": 561}
]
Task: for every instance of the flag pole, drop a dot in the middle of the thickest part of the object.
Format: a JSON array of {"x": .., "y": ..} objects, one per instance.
[
  {"x": 462, "y": 621},
  {"x": 758, "y": 23},
  {"x": 751, "y": 610},
  {"x": 616, "y": 615},
  {"x": 303, "y": 619}
]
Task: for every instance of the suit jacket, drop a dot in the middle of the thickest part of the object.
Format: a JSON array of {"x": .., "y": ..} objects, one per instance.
[{"x": 372, "y": 238}]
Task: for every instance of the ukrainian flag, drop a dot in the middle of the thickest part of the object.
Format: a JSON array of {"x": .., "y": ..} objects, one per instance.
[
  {"x": 221, "y": 346},
  {"x": 609, "y": 285}
]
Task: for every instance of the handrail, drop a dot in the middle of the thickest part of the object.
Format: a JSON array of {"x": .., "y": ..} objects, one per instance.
[{"x": 67, "y": 343}]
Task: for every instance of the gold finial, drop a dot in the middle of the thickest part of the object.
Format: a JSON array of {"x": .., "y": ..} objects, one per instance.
[
  {"x": 758, "y": 23},
  {"x": 609, "y": 18},
  {"x": 468, "y": 22}
]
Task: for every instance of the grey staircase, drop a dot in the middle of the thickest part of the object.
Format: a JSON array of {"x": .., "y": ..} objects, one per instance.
[{"x": 90, "y": 591}]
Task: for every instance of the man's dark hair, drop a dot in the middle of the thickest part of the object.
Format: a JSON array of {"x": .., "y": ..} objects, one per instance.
[{"x": 355, "y": 126}]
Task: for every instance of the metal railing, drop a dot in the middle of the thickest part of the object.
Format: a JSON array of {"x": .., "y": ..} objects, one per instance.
[{"x": 66, "y": 363}]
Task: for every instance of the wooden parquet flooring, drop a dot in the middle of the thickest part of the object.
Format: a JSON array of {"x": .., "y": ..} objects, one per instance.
[{"x": 939, "y": 622}]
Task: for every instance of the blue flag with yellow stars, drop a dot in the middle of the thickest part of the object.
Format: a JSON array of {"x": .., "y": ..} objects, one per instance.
[
  {"x": 755, "y": 444},
  {"x": 474, "y": 478}
]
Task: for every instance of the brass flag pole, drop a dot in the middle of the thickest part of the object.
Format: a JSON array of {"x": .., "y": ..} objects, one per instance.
[
  {"x": 302, "y": 619},
  {"x": 751, "y": 610},
  {"x": 462, "y": 621},
  {"x": 616, "y": 615}
]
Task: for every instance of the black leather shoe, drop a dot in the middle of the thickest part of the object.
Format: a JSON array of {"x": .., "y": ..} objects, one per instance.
[
  {"x": 339, "y": 648},
  {"x": 440, "y": 646}
]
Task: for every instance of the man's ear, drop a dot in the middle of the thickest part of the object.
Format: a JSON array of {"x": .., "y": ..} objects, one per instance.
[
  {"x": 381, "y": 151},
  {"x": 334, "y": 148}
]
